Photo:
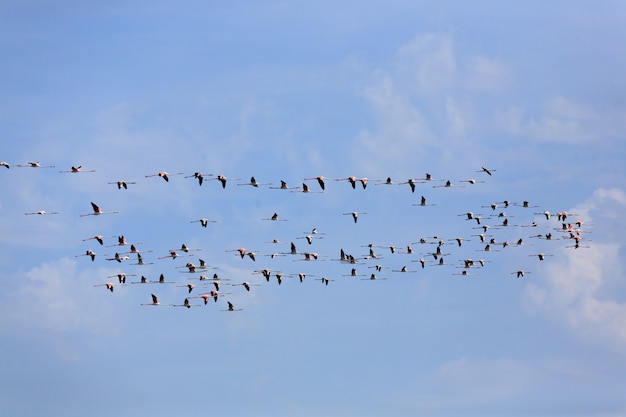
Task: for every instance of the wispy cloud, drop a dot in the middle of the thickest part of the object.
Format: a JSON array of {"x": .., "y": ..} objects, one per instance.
[{"x": 577, "y": 289}]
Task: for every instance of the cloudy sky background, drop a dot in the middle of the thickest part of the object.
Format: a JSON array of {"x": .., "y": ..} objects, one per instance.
[{"x": 284, "y": 90}]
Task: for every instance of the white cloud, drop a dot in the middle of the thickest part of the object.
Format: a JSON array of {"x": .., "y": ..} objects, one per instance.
[
  {"x": 52, "y": 298},
  {"x": 579, "y": 284},
  {"x": 485, "y": 74}
]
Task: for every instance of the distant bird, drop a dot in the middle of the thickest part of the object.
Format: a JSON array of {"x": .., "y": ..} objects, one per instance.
[
  {"x": 388, "y": 181},
  {"x": 42, "y": 212},
  {"x": 122, "y": 184},
  {"x": 423, "y": 202},
  {"x": 91, "y": 254},
  {"x": 353, "y": 181},
  {"x": 231, "y": 307},
  {"x": 97, "y": 211},
  {"x": 354, "y": 214},
  {"x": 186, "y": 304},
  {"x": 119, "y": 258},
  {"x": 166, "y": 176},
  {"x": 471, "y": 181},
  {"x": 108, "y": 285},
  {"x": 448, "y": 184},
  {"x": 199, "y": 176},
  {"x": 320, "y": 181},
  {"x": 173, "y": 254},
  {"x": 253, "y": 182},
  {"x": 99, "y": 238},
  {"x": 540, "y": 256},
  {"x": 203, "y": 221},
  {"x": 275, "y": 218},
  {"x": 520, "y": 273},
  {"x": 247, "y": 285},
  {"x": 5, "y": 164},
  {"x": 122, "y": 277},
  {"x": 283, "y": 186},
  {"x": 223, "y": 180},
  {"x": 411, "y": 183},
  {"x": 305, "y": 189},
  {"x": 486, "y": 171},
  {"x": 155, "y": 301},
  {"x": 78, "y": 169},
  {"x": 34, "y": 165}
]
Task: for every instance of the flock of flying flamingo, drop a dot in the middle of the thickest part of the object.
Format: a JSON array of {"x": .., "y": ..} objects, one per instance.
[{"x": 428, "y": 252}]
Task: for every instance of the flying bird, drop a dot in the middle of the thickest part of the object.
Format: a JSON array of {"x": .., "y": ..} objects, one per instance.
[
  {"x": 34, "y": 165},
  {"x": 203, "y": 221},
  {"x": 97, "y": 211},
  {"x": 354, "y": 214},
  {"x": 122, "y": 184},
  {"x": 166, "y": 176},
  {"x": 42, "y": 212},
  {"x": 78, "y": 169},
  {"x": 320, "y": 181},
  {"x": 253, "y": 182}
]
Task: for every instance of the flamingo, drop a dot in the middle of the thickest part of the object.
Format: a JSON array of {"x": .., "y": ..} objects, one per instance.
[
  {"x": 241, "y": 251},
  {"x": 121, "y": 277},
  {"x": 351, "y": 179},
  {"x": 185, "y": 249},
  {"x": 185, "y": 303},
  {"x": 231, "y": 307},
  {"x": 546, "y": 213},
  {"x": 91, "y": 254},
  {"x": 199, "y": 176},
  {"x": 354, "y": 214},
  {"x": 520, "y": 273},
  {"x": 34, "y": 165},
  {"x": 189, "y": 287},
  {"x": 320, "y": 181},
  {"x": 388, "y": 181},
  {"x": 140, "y": 260},
  {"x": 122, "y": 184},
  {"x": 77, "y": 169},
  {"x": 411, "y": 183},
  {"x": 373, "y": 277},
  {"x": 253, "y": 182},
  {"x": 119, "y": 258},
  {"x": 305, "y": 189},
  {"x": 486, "y": 171},
  {"x": 163, "y": 281},
  {"x": 275, "y": 218},
  {"x": 403, "y": 269},
  {"x": 325, "y": 280},
  {"x": 121, "y": 241},
  {"x": 164, "y": 175},
  {"x": 203, "y": 221},
  {"x": 5, "y": 164},
  {"x": 155, "y": 302},
  {"x": 108, "y": 285},
  {"x": 222, "y": 179},
  {"x": 471, "y": 181},
  {"x": 428, "y": 177},
  {"x": 448, "y": 184},
  {"x": 99, "y": 238},
  {"x": 540, "y": 256},
  {"x": 423, "y": 202},
  {"x": 173, "y": 254},
  {"x": 310, "y": 256},
  {"x": 42, "y": 212},
  {"x": 133, "y": 249},
  {"x": 283, "y": 186},
  {"x": 97, "y": 211}
]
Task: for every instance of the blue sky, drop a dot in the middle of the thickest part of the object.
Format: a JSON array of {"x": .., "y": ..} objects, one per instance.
[{"x": 294, "y": 90}]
